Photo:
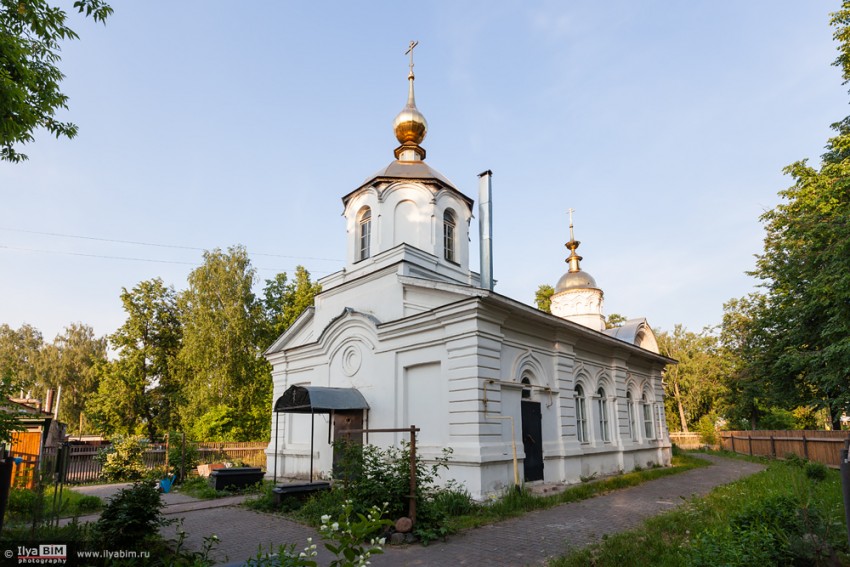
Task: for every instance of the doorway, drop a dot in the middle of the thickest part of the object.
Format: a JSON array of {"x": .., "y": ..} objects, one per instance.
[{"x": 532, "y": 440}]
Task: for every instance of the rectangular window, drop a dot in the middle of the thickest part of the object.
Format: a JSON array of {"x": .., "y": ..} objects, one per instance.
[
  {"x": 581, "y": 420},
  {"x": 449, "y": 241},
  {"x": 602, "y": 406},
  {"x": 647, "y": 421}
]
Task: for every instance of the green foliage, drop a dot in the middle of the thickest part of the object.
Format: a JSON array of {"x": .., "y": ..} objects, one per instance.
[
  {"x": 31, "y": 34},
  {"x": 543, "y": 297},
  {"x": 139, "y": 391},
  {"x": 797, "y": 348},
  {"x": 777, "y": 419},
  {"x": 75, "y": 362},
  {"x": 284, "y": 301},
  {"x": 707, "y": 429},
  {"x": 615, "y": 320},
  {"x": 10, "y": 421},
  {"x": 220, "y": 358},
  {"x": 123, "y": 459},
  {"x": 19, "y": 356},
  {"x": 132, "y": 516},
  {"x": 816, "y": 471},
  {"x": 354, "y": 539},
  {"x": 776, "y": 517},
  {"x": 188, "y": 456},
  {"x": 694, "y": 386}
]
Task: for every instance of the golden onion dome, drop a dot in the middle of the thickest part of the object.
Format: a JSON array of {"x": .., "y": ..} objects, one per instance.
[{"x": 410, "y": 125}]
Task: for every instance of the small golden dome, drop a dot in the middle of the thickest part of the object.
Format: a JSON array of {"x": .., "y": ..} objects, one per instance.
[{"x": 410, "y": 125}]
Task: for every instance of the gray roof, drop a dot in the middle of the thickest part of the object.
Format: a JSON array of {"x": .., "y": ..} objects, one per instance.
[
  {"x": 418, "y": 170},
  {"x": 319, "y": 399}
]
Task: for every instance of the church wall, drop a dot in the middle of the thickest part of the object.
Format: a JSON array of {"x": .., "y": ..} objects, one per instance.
[{"x": 435, "y": 369}]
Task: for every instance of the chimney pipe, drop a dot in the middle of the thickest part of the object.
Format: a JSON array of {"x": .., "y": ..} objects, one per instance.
[
  {"x": 485, "y": 225},
  {"x": 48, "y": 401}
]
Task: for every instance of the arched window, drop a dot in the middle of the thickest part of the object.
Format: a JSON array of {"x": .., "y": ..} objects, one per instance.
[
  {"x": 581, "y": 416},
  {"x": 647, "y": 418},
  {"x": 449, "y": 238},
  {"x": 630, "y": 408},
  {"x": 526, "y": 392},
  {"x": 364, "y": 233},
  {"x": 602, "y": 407}
]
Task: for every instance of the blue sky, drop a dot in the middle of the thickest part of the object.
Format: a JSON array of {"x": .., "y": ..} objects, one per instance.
[{"x": 205, "y": 124}]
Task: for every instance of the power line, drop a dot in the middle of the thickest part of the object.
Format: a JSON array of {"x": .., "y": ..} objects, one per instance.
[
  {"x": 129, "y": 258},
  {"x": 140, "y": 243}
]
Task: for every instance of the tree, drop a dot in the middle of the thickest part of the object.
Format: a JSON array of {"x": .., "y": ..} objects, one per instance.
[
  {"x": 19, "y": 356},
  {"x": 694, "y": 386},
  {"x": 804, "y": 325},
  {"x": 223, "y": 372},
  {"x": 615, "y": 320},
  {"x": 139, "y": 390},
  {"x": 31, "y": 32},
  {"x": 543, "y": 297},
  {"x": 75, "y": 363},
  {"x": 284, "y": 301}
]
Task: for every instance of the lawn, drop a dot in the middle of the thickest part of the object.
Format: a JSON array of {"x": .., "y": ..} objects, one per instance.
[{"x": 789, "y": 514}]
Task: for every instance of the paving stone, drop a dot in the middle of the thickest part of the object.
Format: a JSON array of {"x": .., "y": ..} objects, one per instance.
[{"x": 528, "y": 540}]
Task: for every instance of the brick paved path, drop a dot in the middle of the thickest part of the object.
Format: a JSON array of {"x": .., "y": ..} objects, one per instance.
[{"x": 528, "y": 540}]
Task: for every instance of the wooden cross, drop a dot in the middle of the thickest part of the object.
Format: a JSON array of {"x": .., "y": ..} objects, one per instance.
[{"x": 410, "y": 52}]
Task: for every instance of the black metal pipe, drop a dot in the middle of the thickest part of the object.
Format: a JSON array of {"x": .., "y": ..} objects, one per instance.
[
  {"x": 845, "y": 483},
  {"x": 276, "y": 433},
  {"x": 312, "y": 431}
]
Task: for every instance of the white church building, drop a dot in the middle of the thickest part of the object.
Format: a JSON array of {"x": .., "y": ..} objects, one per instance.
[{"x": 407, "y": 335}]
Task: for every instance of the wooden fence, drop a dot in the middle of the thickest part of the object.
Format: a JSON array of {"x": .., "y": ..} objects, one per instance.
[
  {"x": 821, "y": 446},
  {"x": 82, "y": 466},
  {"x": 686, "y": 440}
]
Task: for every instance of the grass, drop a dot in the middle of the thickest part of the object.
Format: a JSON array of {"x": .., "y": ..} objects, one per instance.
[
  {"x": 464, "y": 514},
  {"x": 516, "y": 503},
  {"x": 199, "y": 487},
  {"x": 745, "y": 522},
  {"x": 24, "y": 504}
]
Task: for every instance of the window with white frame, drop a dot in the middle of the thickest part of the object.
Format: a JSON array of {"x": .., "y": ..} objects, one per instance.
[
  {"x": 449, "y": 238},
  {"x": 581, "y": 416},
  {"x": 602, "y": 407},
  {"x": 364, "y": 233},
  {"x": 647, "y": 418},
  {"x": 630, "y": 408}
]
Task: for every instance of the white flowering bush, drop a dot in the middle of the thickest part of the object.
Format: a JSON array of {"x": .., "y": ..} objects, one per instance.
[{"x": 352, "y": 541}]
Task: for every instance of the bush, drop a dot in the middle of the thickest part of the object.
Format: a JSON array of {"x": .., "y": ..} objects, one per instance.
[
  {"x": 369, "y": 476},
  {"x": 777, "y": 419},
  {"x": 189, "y": 458},
  {"x": 779, "y": 530},
  {"x": 123, "y": 459},
  {"x": 133, "y": 515},
  {"x": 706, "y": 427}
]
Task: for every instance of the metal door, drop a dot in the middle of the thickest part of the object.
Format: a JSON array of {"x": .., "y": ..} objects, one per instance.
[{"x": 532, "y": 440}]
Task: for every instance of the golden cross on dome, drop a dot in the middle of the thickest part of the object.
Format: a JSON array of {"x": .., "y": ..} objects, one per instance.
[
  {"x": 410, "y": 52},
  {"x": 571, "y": 211}
]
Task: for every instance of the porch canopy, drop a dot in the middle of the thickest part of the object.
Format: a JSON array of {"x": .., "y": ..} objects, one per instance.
[
  {"x": 319, "y": 399},
  {"x": 313, "y": 400}
]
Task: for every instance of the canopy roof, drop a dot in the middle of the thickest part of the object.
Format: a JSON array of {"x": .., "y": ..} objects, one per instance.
[{"x": 319, "y": 399}]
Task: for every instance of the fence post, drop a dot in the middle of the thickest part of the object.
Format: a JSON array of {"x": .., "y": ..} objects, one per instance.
[
  {"x": 805, "y": 447},
  {"x": 412, "y": 511},
  {"x": 750, "y": 442},
  {"x": 182, "y": 454},
  {"x": 6, "y": 464},
  {"x": 845, "y": 482},
  {"x": 772, "y": 447},
  {"x": 732, "y": 436}
]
